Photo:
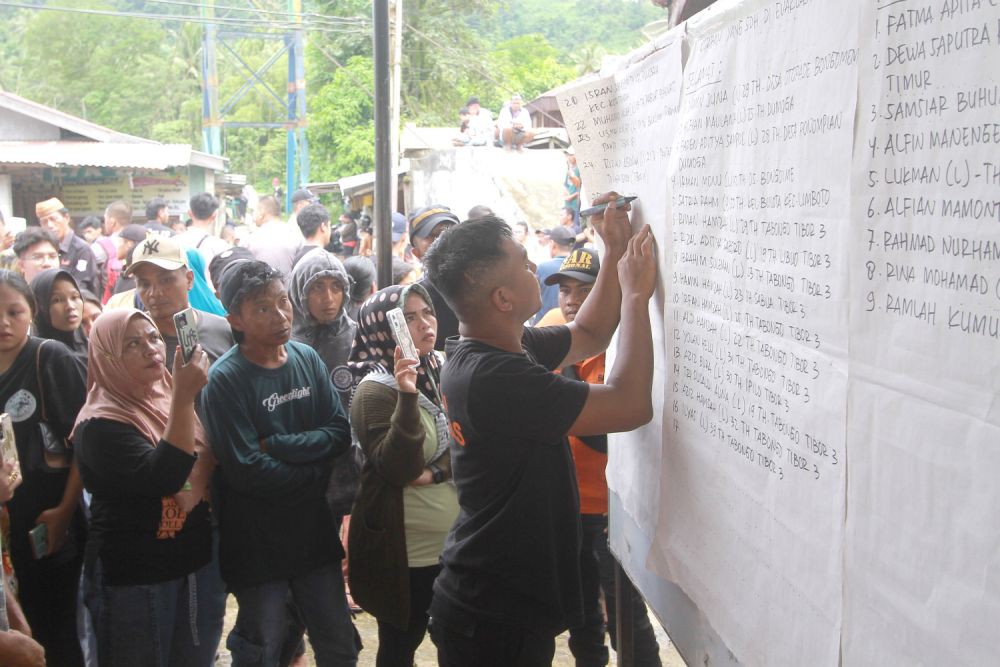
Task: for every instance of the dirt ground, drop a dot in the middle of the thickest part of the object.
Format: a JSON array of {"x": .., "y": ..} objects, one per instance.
[{"x": 426, "y": 655}]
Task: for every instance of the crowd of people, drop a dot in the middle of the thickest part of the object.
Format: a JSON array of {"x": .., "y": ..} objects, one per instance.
[{"x": 297, "y": 438}]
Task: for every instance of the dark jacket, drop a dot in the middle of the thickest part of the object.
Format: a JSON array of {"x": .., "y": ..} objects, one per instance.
[
  {"x": 392, "y": 436},
  {"x": 332, "y": 340},
  {"x": 76, "y": 257}
]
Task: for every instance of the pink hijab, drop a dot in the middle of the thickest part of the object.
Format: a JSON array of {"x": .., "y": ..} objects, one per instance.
[{"x": 113, "y": 394}]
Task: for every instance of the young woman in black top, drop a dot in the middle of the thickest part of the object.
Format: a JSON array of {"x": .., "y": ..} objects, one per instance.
[{"x": 42, "y": 388}]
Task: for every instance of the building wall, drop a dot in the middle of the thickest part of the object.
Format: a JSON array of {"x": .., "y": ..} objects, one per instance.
[
  {"x": 18, "y": 127},
  {"x": 524, "y": 186},
  {"x": 88, "y": 190}
]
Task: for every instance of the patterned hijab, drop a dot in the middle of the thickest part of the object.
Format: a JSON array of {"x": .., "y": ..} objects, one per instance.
[{"x": 374, "y": 344}]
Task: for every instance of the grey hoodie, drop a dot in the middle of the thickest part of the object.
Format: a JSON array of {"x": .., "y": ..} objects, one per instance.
[{"x": 332, "y": 341}]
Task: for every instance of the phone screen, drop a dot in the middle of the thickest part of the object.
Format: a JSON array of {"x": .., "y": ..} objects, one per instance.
[{"x": 187, "y": 332}]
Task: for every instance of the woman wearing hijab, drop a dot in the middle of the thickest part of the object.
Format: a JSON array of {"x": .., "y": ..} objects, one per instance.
[
  {"x": 404, "y": 507},
  {"x": 42, "y": 388},
  {"x": 158, "y": 598},
  {"x": 60, "y": 311}
]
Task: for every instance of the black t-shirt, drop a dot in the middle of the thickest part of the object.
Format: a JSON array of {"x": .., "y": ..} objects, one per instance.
[
  {"x": 52, "y": 381},
  {"x": 133, "y": 527},
  {"x": 512, "y": 556}
]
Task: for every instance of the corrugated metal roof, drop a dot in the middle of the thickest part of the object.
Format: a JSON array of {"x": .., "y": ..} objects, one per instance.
[{"x": 106, "y": 154}]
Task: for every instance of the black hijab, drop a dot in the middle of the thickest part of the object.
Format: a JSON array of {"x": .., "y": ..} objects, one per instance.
[{"x": 42, "y": 287}]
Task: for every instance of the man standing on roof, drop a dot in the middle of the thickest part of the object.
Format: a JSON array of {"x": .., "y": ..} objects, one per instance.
[{"x": 75, "y": 254}]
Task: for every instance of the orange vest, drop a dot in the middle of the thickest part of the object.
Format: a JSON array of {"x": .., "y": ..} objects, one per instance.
[{"x": 590, "y": 464}]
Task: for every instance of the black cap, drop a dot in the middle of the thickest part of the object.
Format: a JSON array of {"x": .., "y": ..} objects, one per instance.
[
  {"x": 136, "y": 233},
  {"x": 304, "y": 195},
  {"x": 424, "y": 220},
  {"x": 582, "y": 264},
  {"x": 561, "y": 235},
  {"x": 224, "y": 259}
]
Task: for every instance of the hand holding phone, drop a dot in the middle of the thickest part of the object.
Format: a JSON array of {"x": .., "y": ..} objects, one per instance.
[
  {"x": 39, "y": 538},
  {"x": 401, "y": 332}
]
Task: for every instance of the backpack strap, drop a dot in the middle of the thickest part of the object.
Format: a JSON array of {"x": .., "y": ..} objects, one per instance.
[{"x": 38, "y": 375}]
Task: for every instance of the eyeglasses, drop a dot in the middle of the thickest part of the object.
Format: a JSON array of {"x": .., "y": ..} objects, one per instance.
[{"x": 42, "y": 256}]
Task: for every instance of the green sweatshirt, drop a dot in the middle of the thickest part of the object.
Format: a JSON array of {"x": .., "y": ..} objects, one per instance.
[{"x": 274, "y": 522}]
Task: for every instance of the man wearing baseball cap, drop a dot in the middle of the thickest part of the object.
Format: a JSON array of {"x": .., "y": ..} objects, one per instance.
[
  {"x": 575, "y": 279},
  {"x": 75, "y": 254},
  {"x": 561, "y": 241},
  {"x": 300, "y": 199},
  {"x": 426, "y": 224},
  {"x": 162, "y": 281}
]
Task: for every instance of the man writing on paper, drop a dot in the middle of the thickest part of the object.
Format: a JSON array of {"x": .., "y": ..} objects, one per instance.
[
  {"x": 575, "y": 280},
  {"x": 510, "y": 578}
]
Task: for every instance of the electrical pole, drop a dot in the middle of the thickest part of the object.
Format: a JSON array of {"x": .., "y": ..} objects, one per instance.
[
  {"x": 211, "y": 124},
  {"x": 383, "y": 141},
  {"x": 395, "y": 59},
  {"x": 296, "y": 146}
]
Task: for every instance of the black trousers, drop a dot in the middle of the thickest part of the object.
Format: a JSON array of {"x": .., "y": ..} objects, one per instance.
[
  {"x": 396, "y": 647},
  {"x": 597, "y": 573},
  {"x": 49, "y": 591},
  {"x": 491, "y": 645}
]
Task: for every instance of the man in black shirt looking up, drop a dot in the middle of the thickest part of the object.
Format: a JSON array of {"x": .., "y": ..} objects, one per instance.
[{"x": 510, "y": 578}]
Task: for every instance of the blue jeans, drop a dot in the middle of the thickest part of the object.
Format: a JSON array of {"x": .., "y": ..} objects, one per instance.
[
  {"x": 262, "y": 620},
  {"x": 177, "y": 623}
]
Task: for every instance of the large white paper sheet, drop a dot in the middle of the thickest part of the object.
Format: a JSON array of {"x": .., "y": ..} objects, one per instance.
[
  {"x": 752, "y": 496},
  {"x": 922, "y": 561},
  {"x": 622, "y": 128}
]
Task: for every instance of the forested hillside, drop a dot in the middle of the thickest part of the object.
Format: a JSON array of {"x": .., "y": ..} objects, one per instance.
[{"x": 135, "y": 65}]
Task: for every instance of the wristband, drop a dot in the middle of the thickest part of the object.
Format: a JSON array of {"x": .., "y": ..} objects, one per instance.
[{"x": 437, "y": 475}]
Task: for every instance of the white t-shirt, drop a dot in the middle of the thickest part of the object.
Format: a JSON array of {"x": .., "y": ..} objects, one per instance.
[
  {"x": 276, "y": 243},
  {"x": 481, "y": 125},
  {"x": 208, "y": 245},
  {"x": 507, "y": 119}
]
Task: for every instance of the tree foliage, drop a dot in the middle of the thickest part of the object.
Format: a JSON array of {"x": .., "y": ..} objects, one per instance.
[
  {"x": 143, "y": 77},
  {"x": 342, "y": 122}
]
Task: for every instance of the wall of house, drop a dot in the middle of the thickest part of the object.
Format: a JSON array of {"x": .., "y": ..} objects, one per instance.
[
  {"x": 524, "y": 186},
  {"x": 18, "y": 127}
]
